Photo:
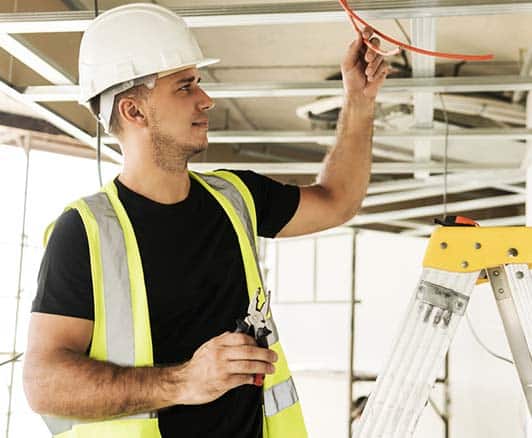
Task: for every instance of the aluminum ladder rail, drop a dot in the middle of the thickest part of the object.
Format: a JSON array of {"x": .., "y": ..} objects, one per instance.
[{"x": 456, "y": 259}]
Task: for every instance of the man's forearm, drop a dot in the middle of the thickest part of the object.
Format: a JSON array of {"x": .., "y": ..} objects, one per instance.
[
  {"x": 76, "y": 386},
  {"x": 346, "y": 169}
]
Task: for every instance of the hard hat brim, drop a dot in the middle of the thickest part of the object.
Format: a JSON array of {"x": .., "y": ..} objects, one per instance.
[{"x": 84, "y": 99}]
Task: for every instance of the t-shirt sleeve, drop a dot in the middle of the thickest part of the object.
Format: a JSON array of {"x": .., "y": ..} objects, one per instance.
[
  {"x": 275, "y": 202},
  {"x": 64, "y": 284}
]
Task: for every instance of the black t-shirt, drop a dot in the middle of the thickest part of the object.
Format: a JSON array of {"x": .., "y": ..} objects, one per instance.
[{"x": 195, "y": 285}]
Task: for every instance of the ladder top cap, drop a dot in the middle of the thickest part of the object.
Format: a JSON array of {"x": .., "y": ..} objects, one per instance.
[{"x": 469, "y": 249}]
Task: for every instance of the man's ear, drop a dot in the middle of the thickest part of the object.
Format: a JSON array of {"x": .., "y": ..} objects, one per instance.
[{"x": 132, "y": 112}]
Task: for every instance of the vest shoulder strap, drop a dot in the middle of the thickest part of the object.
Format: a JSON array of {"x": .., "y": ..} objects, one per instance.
[{"x": 244, "y": 192}]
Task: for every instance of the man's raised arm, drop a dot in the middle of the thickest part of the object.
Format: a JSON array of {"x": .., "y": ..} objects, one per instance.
[{"x": 342, "y": 183}]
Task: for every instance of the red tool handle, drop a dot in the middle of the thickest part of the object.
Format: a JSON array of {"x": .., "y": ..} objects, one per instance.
[
  {"x": 260, "y": 337},
  {"x": 243, "y": 327}
]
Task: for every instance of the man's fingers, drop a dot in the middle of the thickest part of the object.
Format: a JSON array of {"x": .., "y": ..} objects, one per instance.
[
  {"x": 250, "y": 352},
  {"x": 381, "y": 74},
  {"x": 232, "y": 339},
  {"x": 370, "y": 54},
  {"x": 235, "y": 380},
  {"x": 249, "y": 367},
  {"x": 356, "y": 48},
  {"x": 353, "y": 53},
  {"x": 373, "y": 67},
  {"x": 367, "y": 32}
]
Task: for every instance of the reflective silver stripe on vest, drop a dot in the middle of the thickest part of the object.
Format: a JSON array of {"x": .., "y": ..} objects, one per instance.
[
  {"x": 120, "y": 336},
  {"x": 58, "y": 425},
  {"x": 279, "y": 397},
  {"x": 237, "y": 201}
]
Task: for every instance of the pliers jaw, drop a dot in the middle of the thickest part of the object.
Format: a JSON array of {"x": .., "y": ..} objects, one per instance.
[
  {"x": 254, "y": 324},
  {"x": 257, "y": 315}
]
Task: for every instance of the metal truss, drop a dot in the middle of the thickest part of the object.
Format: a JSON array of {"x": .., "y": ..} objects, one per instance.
[
  {"x": 242, "y": 90},
  {"x": 275, "y": 13},
  {"x": 376, "y": 168}
]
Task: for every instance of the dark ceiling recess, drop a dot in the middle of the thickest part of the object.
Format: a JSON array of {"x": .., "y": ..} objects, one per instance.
[{"x": 28, "y": 123}]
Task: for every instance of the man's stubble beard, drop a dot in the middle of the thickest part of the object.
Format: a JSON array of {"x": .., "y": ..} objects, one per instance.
[{"x": 170, "y": 154}]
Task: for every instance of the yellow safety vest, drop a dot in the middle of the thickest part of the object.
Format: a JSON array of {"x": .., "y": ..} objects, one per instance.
[{"x": 122, "y": 332}]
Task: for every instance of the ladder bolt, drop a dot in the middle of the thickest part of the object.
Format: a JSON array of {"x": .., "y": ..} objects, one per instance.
[
  {"x": 464, "y": 264},
  {"x": 512, "y": 252},
  {"x": 501, "y": 290},
  {"x": 478, "y": 245},
  {"x": 496, "y": 273},
  {"x": 519, "y": 274},
  {"x": 443, "y": 245}
]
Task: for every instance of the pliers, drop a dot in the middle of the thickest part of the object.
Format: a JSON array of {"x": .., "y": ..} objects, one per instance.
[{"x": 254, "y": 324}]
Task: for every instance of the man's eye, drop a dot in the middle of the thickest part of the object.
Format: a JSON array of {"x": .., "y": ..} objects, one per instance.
[{"x": 185, "y": 88}]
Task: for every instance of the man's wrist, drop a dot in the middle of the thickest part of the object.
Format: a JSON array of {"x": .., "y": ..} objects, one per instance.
[
  {"x": 358, "y": 107},
  {"x": 175, "y": 386},
  {"x": 359, "y": 101}
]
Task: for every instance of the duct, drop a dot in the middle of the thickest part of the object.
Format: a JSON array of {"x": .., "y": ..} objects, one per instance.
[{"x": 476, "y": 106}]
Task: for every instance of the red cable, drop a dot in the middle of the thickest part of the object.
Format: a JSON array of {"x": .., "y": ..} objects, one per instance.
[{"x": 391, "y": 40}]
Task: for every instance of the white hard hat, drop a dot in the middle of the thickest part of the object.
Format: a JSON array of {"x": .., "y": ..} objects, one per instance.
[{"x": 134, "y": 41}]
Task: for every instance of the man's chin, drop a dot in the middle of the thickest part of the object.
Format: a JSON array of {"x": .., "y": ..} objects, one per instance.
[
  {"x": 196, "y": 150},
  {"x": 200, "y": 148}
]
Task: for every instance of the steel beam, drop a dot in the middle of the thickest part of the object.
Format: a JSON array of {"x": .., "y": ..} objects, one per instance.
[
  {"x": 528, "y": 161},
  {"x": 26, "y": 54},
  {"x": 425, "y": 230},
  {"x": 229, "y": 90},
  {"x": 60, "y": 122},
  {"x": 453, "y": 178},
  {"x": 376, "y": 168},
  {"x": 408, "y": 195},
  {"x": 328, "y": 137},
  {"x": 525, "y": 71},
  {"x": 432, "y": 210},
  {"x": 423, "y": 30},
  {"x": 275, "y": 13}
]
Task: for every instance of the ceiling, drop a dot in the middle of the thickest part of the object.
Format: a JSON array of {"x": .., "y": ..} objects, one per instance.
[{"x": 279, "y": 63}]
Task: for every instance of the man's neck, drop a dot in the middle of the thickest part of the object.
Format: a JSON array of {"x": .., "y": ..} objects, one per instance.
[{"x": 159, "y": 186}]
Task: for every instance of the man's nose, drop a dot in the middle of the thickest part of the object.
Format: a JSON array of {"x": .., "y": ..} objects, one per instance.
[{"x": 205, "y": 103}]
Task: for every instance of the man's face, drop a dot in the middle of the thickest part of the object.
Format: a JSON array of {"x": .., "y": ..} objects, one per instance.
[{"x": 177, "y": 119}]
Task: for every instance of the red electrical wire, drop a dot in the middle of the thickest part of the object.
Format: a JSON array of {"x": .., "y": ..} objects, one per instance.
[{"x": 354, "y": 18}]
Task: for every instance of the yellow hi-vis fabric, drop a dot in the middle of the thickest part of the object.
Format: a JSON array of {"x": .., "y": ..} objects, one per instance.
[{"x": 282, "y": 410}]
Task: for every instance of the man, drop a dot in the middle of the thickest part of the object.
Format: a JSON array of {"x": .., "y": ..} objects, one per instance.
[{"x": 132, "y": 331}]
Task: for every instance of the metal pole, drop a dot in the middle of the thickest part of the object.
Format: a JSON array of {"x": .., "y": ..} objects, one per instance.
[
  {"x": 447, "y": 395},
  {"x": 352, "y": 337},
  {"x": 315, "y": 270},
  {"x": 19, "y": 286}
]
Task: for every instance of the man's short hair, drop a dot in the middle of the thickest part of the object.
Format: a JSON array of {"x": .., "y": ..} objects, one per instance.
[{"x": 140, "y": 92}]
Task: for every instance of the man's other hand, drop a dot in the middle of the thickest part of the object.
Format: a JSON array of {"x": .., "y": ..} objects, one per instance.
[{"x": 221, "y": 364}]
